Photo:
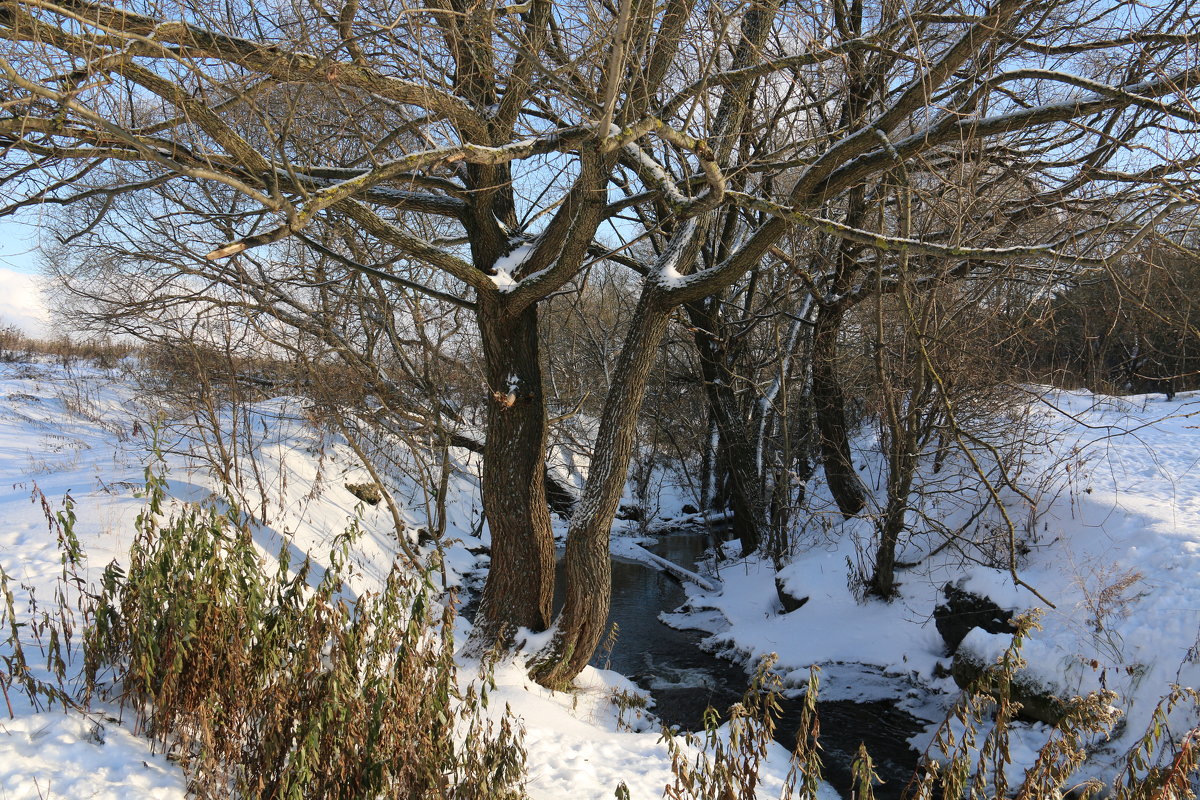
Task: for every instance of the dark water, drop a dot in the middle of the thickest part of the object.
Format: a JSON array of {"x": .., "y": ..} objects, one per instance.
[{"x": 685, "y": 680}]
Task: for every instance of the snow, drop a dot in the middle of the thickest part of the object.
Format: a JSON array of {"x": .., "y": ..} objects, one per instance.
[
  {"x": 504, "y": 280},
  {"x": 52, "y": 754},
  {"x": 507, "y": 266},
  {"x": 667, "y": 273},
  {"x": 85, "y": 431},
  {"x": 669, "y": 276},
  {"x": 582, "y": 745},
  {"x": 653, "y": 173},
  {"x": 1113, "y": 542}
]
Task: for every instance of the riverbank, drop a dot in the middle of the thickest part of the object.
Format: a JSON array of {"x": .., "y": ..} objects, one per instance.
[
  {"x": 89, "y": 433},
  {"x": 1107, "y": 528},
  {"x": 1114, "y": 540},
  {"x": 669, "y": 654}
]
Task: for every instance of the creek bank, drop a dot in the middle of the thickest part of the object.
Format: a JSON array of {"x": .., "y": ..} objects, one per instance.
[
  {"x": 962, "y": 611},
  {"x": 684, "y": 679},
  {"x": 669, "y": 662},
  {"x": 957, "y": 618}
]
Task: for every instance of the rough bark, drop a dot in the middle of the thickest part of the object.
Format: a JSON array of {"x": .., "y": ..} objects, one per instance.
[
  {"x": 829, "y": 407},
  {"x": 560, "y": 496},
  {"x": 584, "y": 617},
  {"x": 520, "y": 584},
  {"x": 883, "y": 578}
]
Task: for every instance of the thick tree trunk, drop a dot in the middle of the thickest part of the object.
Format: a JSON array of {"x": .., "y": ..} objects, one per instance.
[
  {"x": 520, "y": 583},
  {"x": 559, "y": 495},
  {"x": 829, "y": 407},
  {"x": 584, "y": 617}
]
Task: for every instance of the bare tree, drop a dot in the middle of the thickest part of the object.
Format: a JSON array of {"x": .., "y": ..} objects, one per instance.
[{"x": 490, "y": 153}]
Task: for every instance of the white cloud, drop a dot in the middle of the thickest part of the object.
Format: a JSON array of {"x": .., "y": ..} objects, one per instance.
[{"x": 21, "y": 302}]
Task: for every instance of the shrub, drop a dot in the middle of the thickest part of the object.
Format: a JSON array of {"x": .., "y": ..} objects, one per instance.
[{"x": 264, "y": 686}]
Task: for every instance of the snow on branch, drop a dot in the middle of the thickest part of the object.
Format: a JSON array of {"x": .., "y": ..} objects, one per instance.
[
  {"x": 667, "y": 270},
  {"x": 653, "y": 174},
  {"x": 343, "y": 190}
]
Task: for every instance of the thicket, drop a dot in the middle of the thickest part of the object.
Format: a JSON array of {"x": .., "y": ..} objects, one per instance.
[
  {"x": 733, "y": 405},
  {"x": 932, "y": 366},
  {"x": 264, "y": 682},
  {"x": 273, "y": 683},
  {"x": 1132, "y": 328}
]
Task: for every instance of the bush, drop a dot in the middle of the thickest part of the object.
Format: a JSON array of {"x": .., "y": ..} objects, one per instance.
[{"x": 265, "y": 687}]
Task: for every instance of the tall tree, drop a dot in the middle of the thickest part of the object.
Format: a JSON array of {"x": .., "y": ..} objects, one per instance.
[{"x": 491, "y": 153}]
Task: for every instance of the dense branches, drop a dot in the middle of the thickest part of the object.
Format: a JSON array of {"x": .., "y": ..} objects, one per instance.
[{"x": 486, "y": 155}]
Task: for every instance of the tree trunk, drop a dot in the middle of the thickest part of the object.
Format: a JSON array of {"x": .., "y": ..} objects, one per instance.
[
  {"x": 520, "y": 584},
  {"x": 736, "y": 442},
  {"x": 584, "y": 617},
  {"x": 829, "y": 407},
  {"x": 883, "y": 577},
  {"x": 745, "y": 482},
  {"x": 900, "y": 478},
  {"x": 708, "y": 466}
]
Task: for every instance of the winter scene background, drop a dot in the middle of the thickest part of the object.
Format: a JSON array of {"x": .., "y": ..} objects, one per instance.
[{"x": 566, "y": 399}]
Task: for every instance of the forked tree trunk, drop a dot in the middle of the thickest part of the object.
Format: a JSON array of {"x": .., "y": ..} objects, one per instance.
[
  {"x": 911, "y": 414},
  {"x": 584, "y": 617},
  {"x": 909, "y": 434},
  {"x": 829, "y": 407},
  {"x": 520, "y": 584}
]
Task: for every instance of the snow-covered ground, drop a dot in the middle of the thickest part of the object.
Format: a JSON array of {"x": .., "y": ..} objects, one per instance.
[
  {"x": 1112, "y": 539},
  {"x": 85, "y": 432}
]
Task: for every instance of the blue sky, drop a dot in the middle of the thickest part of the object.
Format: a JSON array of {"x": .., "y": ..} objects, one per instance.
[
  {"x": 21, "y": 301},
  {"x": 17, "y": 246}
]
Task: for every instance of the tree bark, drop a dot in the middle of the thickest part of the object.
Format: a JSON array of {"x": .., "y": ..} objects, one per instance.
[
  {"x": 520, "y": 585},
  {"x": 900, "y": 478},
  {"x": 829, "y": 407},
  {"x": 584, "y": 617},
  {"x": 560, "y": 496},
  {"x": 736, "y": 442}
]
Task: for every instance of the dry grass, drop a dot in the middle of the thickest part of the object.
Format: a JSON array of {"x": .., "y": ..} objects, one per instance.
[
  {"x": 261, "y": 684},
  {"x": 18, "y": 347}
]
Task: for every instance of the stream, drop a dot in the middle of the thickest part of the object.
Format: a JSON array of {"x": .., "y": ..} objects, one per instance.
[{"x": 684, "y": 680}]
